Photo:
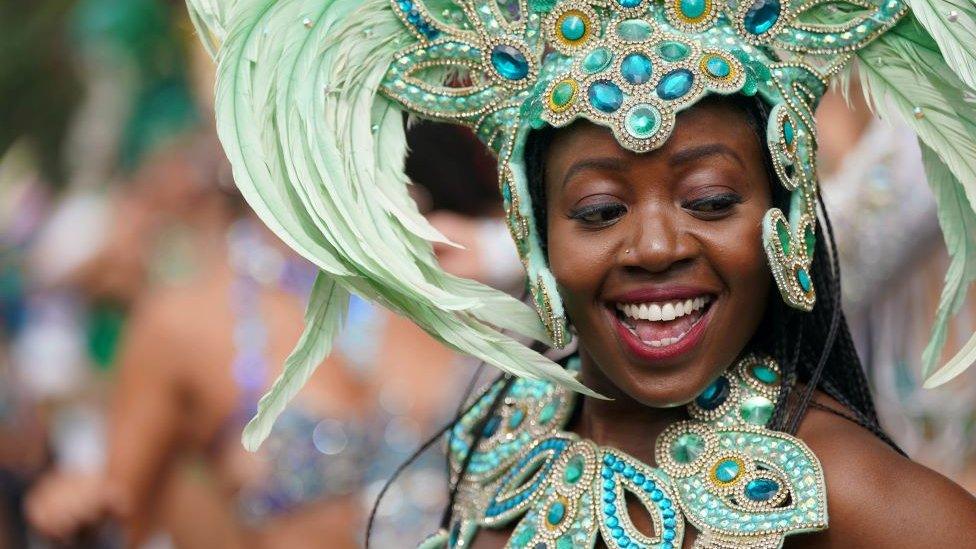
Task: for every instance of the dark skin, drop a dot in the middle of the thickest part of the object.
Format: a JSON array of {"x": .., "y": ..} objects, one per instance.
[{"x": 689, "y": 214}]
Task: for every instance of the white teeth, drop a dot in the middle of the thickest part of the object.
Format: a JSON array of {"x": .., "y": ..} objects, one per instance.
[
  {"x": 655, "y": 312},
  {"x": 666, "y": 311}
]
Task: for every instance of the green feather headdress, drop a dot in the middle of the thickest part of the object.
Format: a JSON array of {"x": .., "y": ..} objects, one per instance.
[{"x": 311, "y": 96}]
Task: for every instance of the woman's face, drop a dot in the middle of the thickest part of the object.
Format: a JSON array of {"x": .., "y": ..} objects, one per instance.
[{"x": 659, "y": 255}]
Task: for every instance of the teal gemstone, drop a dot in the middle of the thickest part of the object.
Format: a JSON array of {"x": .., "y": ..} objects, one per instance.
[
  {"x": 727, "y": 470},
  {"x": 804, "y": 279},
  {"x": 714, "y": 395},
  {"x": 563, "y": 93},
  {"x": 687, "y": 447},
  {"x": 788, "y": 132},
  {"x": 636, "y": 68},
  {"x": 765, "y": 374},
  {"x": 565, "y": 542},
  {"x": 761, "y": 16},
  {"x": 629, "y": 3},
  {"x": 605, "y": 96},
  {"x": 634, "y": 30},
  {"x": 549, "y": 412},
  {"x": 693, "y": 9},
  {"x": 556, "y": 513},
  {"x": 718, "y": 67},
  {"x": 574, "y": 470},
  {"x": 597, "y": 60},
  {"x": 455, "y": 534},
  {"x": 675, "y": 84},
  {"x": 491, "y": 426},
  {"x": 756, "y": 410},
  {"x": 642, "y": 121},
  {"x": 516, "y": 418},
  {"x": 509, "y": 62},
  {"x": 673, "y": 51},
  {"x": 573, "y": 28},
  {"x": 761, "y": 489}
]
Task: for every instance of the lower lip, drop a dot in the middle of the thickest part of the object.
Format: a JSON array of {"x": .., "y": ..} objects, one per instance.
[{"x": 646, "y": 353}]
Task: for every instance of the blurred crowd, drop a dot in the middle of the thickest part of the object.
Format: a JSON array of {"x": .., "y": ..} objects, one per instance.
[{"x": 144, "y": 309}]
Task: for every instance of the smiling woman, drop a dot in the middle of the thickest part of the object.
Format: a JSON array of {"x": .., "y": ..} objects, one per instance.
[{"x": 657, "y": 164}]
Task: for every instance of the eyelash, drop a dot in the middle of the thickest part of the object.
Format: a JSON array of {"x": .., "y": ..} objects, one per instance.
[
  {"x": 607, "y": 212},
  {"x": 713, "y": 205}
]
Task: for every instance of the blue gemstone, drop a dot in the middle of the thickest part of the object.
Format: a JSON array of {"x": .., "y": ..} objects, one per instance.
[
  {"x": 618, "y": 466},
  {"x": 667, "y": 513},
  {"x": 648, "y": 486},
  {"x": 761, "y": 16},
  {"x": 761, "y": 489},
  {"x": 516, "y": 418},
  {"x": 556, "y": 513},
  {"x": 608, "y": 484},
  {"x": 636, "y": 68},
  {"x": 491, "y": 426},
  {"x": 804, "y": 279},
  {"x": 609, "y": 497},
  {"x": 610, "y": 509},
  {"x": 573, "y": 28},
  {"x": 629, "y": 3},
  {"x": 657, "y": 495},
  {"x": 718, "y": 67},
  {"x": 639, "y": 478},
  {"x": 669, "y": 522},
  {"x": 668, "y": 535},
  {"x": 727, "y": 470},
  {"x": 693, "y": 9},
  {"x": 714, "y": 395},
  {"x": 617, "y": 533},
  {"x": 605, "y": 96},
  {"x": 509, "y": 62},
  {"x": 675, "y": 84},
  {"x": 606, "y": 473},
  {"x": 612, "y": 522},
  {"x": 629, "y": 471}
]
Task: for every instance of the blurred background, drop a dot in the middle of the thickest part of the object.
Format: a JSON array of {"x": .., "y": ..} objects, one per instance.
[{"x": 144, "y": 310}]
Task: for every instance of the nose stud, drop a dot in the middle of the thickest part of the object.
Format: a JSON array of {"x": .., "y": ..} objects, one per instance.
[{"x": 627, "y": 251}]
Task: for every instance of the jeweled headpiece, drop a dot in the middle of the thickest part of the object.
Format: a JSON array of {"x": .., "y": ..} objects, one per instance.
[{"x": 311, "y": 93}]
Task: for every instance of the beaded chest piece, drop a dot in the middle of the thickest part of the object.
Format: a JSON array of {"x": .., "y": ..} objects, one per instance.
[{"x": 738, "y": 483}]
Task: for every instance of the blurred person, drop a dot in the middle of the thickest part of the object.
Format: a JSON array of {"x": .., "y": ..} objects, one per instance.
[
  {"x": 894, "y": 259},
  {"x": 189, "y": 381}
]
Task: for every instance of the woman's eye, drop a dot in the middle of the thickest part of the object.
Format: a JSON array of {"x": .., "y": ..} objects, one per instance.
[
  {"x": 598, "y": 214},
  {"x": 713, "y": 204}
]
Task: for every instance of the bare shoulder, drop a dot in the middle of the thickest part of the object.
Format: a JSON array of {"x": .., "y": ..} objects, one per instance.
[{"x": 878, "y": 498}]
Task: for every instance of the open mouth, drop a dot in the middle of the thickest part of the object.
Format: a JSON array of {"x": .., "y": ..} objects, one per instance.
[{"x": 663, "y": 327}]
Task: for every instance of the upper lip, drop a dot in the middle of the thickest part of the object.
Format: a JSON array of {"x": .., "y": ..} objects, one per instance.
[{"x": 660, "y": 293}]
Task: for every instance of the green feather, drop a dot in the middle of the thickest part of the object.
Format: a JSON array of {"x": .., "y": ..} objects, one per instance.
[
  {"x": 905, "y": 77},
  {"x": 952, "y": 23},
  {"x": 319, "y": 155},
  {"x": 323, "y": 319},
  {"x": 958, "y": 222}
]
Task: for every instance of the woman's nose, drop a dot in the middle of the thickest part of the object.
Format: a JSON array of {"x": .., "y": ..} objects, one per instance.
[{"x": 658, "y": 243}]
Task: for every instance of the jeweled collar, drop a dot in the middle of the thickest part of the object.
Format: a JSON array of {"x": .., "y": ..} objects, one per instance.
[{"x": 738, "y": 483}]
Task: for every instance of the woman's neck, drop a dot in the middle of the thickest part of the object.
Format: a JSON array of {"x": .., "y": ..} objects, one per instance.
[{"x": 622, "y": 422}]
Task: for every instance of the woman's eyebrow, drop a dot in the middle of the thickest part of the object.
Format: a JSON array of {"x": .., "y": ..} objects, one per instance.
[
  {"x": 702, "y": 151},
  {"x": 607, "y": 163}
]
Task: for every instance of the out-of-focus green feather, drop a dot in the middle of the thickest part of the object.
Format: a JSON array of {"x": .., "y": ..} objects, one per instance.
[
  {"x": 952, "y": 23},
  {"x": 318, "y": 154},
  {"x": 323, "y": 319},
  {"x": 904, "y": 76},
  {"x": 958, "y": 223}
]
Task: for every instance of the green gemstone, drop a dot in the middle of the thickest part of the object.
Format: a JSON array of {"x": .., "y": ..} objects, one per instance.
[
  {"x": 565, "y": 542},
  {"x": 687, "y": 447},
  {"x": 563, "y": 93},
  {"x": 673, "y": 51},
  {"x": 574, "y": 470},
  {"x": 784, "y": 236},
  {"x": 549, "y": 412},
  {"x": 634, "y": 30},
  {"x": 788, "y": 132},
  {"x": 642, "y": 121},
  {"x": 556, "y": 513},
  {"x": 597, "y": 60},
  {"x": 756, "y": 410},
  {"x": 809, "y": 239},
  {"x": 765, "y": 374}
]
